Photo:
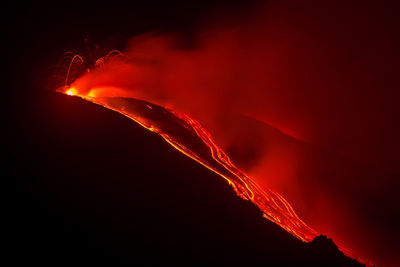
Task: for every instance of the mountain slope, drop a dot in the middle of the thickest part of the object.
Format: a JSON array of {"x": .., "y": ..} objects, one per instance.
[{"x": 88, "y": 185}]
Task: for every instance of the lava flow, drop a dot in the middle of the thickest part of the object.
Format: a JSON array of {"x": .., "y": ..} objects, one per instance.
[
  {"x": 189, "y": 137},
  {"x": 117, "y": 84},
  {"x": 279, "y": 100}
]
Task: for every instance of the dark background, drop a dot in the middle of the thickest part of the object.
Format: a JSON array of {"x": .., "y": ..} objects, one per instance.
[{"x": 85, "y": 184}]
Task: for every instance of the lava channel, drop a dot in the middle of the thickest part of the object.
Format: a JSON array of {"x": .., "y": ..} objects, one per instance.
[{"x": 188, "y": 136}]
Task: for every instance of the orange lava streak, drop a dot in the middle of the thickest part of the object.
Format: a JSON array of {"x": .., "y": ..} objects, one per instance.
[{"x": 274, "y": 206}]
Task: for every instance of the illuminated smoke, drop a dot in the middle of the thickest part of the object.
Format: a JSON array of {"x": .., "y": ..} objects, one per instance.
[{"x": 299, "y": 102}]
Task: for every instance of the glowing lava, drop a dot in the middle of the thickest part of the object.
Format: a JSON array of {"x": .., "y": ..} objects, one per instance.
[
  {"x": 71, "y": 91},
  {"x": 189, "y": 137}
]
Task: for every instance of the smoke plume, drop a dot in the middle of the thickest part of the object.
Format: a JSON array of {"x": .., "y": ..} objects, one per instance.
[{"x": 301, "y": 94}]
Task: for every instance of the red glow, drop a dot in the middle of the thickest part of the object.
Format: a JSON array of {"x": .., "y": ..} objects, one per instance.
[
  {"x": 327, "y": 92},
  {"x": 71, "y": 91}
]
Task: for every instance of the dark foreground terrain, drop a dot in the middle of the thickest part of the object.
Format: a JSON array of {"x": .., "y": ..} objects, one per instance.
[{"x": 87, "y": 185}]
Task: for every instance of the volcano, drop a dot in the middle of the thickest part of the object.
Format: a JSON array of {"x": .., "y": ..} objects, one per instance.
[
  {"x": 301, "y": 95},
  {"x": 97, "y": 188}
]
